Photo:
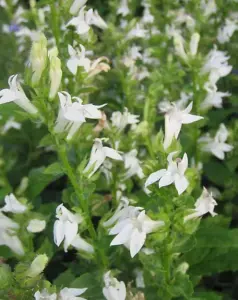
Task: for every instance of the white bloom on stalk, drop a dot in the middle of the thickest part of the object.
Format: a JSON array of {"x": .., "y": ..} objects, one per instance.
[
  {"x": 121, "y": 120},
  {"x": 175, "y": 117},
  {"x": 173, "y": 174},
  {"x": 71, "y": 294},
  {"x": 217, "y": 145},
  {"x": 137, "y": 32},
  {"x": 208, "y": 7},
  {"x": 16, "y": 94},
  {"x": 204, "y": 204},
  {"x": 216, "y": 65},
  {"x": 36, "y": 225},
  {"x": 131, "y": 228},
  {"x": 214, "y": 98},
  {"x": 113, "y": 290},
  {"x": 77, "y": 59},
  {"x": 132, "y": 164},
  {"x": 66, "y": 227},
  {"x": 181, "y": 17},
  {"x": 98, "y": 155},
  {"x": 225, "y": 32},
  {"x": 147, "y": 17},
  {"x": 123, "y": 9},
  {"x": 84, "y": 19},
  {"x": 44, "y": 295},
  {"x": 13, "y": 205},
  {"x": 73, "y": 114},
  {"x": 76, "y": 5},
  {"x": 8, "y": 235}
]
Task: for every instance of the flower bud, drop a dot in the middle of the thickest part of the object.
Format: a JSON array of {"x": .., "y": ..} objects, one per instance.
[
  {"x": 38, "y": 58},
  {"x": 194, "y": 43},
  {"x": 55, "y": 72},
  {"x": 179, "y": 47},
  {"x": 37, "y": 266}
]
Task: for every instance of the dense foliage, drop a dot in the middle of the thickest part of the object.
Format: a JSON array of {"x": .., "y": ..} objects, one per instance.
[{"x": 118, "y": 150}]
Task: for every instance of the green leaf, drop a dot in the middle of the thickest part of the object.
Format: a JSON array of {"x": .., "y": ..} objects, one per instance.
[
  {"x": 54, "y": 169},
  {"x": 64, "y": 279},
  {"x": 92, "y": 281},
  {"x": 181, "y": 286},
  {"x": 38, "y": 181}
]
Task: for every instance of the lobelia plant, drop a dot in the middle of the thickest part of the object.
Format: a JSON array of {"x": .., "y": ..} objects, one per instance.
[{"x": 105, "y": 194}]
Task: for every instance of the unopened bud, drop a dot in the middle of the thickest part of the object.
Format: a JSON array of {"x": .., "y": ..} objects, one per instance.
[
  {"x": 179, "y": 47},
  {"x": 37, "y": 266},
  {"x": 194, "y": 43},
  {"x": 38, "y": 58},
  {"x": 55, "y": 72}
]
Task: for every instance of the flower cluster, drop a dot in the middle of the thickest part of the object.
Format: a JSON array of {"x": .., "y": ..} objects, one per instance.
[{"x": 114, "y": 172}]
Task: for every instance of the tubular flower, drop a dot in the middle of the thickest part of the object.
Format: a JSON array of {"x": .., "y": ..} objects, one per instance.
[
  {"x": 175, "y": 117},
  {"x": 216, "y": 145},
  {"x": 71, "y": 294},
  {"x": 13, "y": 205},
  {"x": 55, "y": 73},
  {"x": 204, "y": 204},
  {"x": 131, "y": 231},
  {"x": 173, "y": 174},
  {"x": 98, "y": 155},
  {"x": 73, "y": 114},
  {"x": 113, "y": 290},
  {"x": 16, "y": 94}
]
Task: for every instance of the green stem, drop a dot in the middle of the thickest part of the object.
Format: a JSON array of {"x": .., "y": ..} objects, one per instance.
[{"x": 76, "y": 185}]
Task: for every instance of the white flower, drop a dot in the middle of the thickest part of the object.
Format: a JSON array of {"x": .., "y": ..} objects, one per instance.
[
  {"x": 76, "y": 5},
  {"x": 16, "y": 94},
  {"x": 173, "y": 174},
  {"x": 213, "y": 98},
  {"x": 137, "y": 32},
  {"x": 132, "y": 230},
  {"x": 121, "y": 120},
  {"x": 36, "y": 225},
  {"x": 132, "y": 164},
  {"x": 13, "y": 205},
  {"x": 73, "y": 114},
  {"x": 44, "y": 295},
  {"x": 11, "y": 123},
  {"x": 66, "y": 227},
  {"x": 106, "y": 169},
  {"x": 77, "y": 59},
  {"x": 181, "y": 17},
  {"x": 216, "y": 145},
  {"x": 8, "y": 235},
  {"x": 132, "y": 55},
  {"x": 98, "y": 155},
  {"x": 84, "y": 19},
  {"x": 80, "y": 244},
  {"x": 225, "y": 32},
  {"x": 147, "y": 17},
  {"x": 175, "y": 117},
  {"x": 123, "y": 211},
  {"x": 113, "y": 290},
  {"x": 216, "y": 65},
  {"x": 208, "y": 7},
  {"x": 71, "y": 294},
  {"x": 204, "y": 204},
  {"x": 123, "y": 8}
]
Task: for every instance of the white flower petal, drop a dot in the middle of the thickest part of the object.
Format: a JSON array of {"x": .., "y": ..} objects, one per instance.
[
  {"x": 137, "y": 241},
  {"x": 154, "y": 177},
  {"x": 181, "y": 184}
]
